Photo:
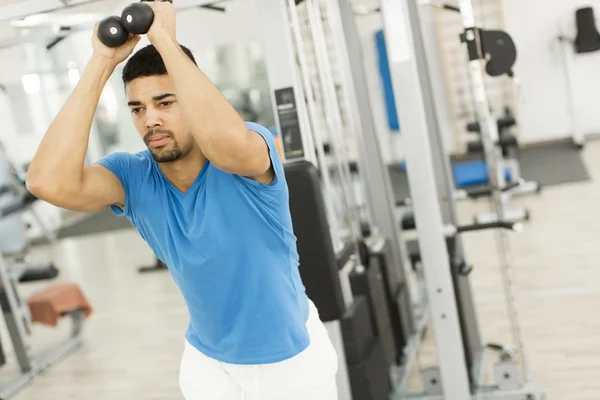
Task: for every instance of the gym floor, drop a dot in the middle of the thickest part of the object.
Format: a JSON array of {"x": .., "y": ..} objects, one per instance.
[{"x": 135, "y": 338}]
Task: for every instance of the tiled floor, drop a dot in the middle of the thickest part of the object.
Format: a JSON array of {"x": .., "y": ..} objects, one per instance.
[{"x": 135, "y": 337}]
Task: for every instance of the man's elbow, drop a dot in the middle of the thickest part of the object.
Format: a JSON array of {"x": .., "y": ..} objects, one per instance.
[
  {"x": 45, "y": 188},
  {"x": 35, "y": 184}
]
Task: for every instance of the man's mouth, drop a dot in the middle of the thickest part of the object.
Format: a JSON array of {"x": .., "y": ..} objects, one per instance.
[{"x": 159, "y": 140}]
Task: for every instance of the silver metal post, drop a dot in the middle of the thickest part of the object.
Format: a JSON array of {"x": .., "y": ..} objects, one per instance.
[
  {"x": 446, "y": 190},
  {"x": 15, "y": 321},
  {"x": 489, "y": 135},
  {"x": 400, "y": 44},
  {"x": 489, "y": 129},
  {"x": 332, "y": 113},
  {"x": 379, "y": 193},
  {"x": 313, "y": 119}
]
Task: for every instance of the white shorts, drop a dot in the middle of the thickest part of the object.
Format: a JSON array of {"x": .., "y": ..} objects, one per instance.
[{"x": 311, "y": 375}]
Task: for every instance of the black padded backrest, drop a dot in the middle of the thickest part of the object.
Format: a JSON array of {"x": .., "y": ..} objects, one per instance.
[
  {"x": 318, "y": 262},
  {"x": 588, "y": 38}
]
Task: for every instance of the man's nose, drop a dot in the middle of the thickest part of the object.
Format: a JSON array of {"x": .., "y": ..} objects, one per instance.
[{"x": 153, "y": 119}]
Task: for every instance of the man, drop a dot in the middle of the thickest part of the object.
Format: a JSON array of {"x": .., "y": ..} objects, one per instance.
[{"x": 210, "y": 198}]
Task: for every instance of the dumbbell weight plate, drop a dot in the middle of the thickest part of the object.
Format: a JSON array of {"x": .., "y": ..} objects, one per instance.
[
  {"x": 137, "y": 18},
  {"x": 111, "y": 32}
]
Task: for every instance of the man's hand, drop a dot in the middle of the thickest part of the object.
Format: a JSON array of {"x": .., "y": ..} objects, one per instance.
[
  {"x": 165, "y": 23},
  {"x": 114, "y": 55}
]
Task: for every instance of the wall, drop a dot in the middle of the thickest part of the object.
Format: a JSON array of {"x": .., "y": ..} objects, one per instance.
[{"x": 534, "y": 25}]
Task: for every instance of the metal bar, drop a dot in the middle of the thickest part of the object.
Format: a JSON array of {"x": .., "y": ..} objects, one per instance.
[
  {"x": 493, "y": 155},
  {"x": 10, "y": 389},
  {"x": 378, "y": 187},
  {"x": 312, "y": 114},
  {"x": 489, "y": 129},
  {"x": 13, "y": 316},
  {"x": 445, "y": 189},
  {"x": 400, "y": 44},
  {"x": 332, "y": 115}
]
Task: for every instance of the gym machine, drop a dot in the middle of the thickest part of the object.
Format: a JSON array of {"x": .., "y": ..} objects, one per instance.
[
  {"x": 459, "y": 349},
  {"x": 499, "y": 51},
  {"x": 17, "y": 311},
  {"x": 17, "y": 314},
  {"x": 12, "y": 244}
]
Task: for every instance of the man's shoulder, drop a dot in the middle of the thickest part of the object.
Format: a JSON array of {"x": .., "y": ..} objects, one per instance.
[
  {"x": 141, "y": 158},
  {"x": 127, "y": 166}
]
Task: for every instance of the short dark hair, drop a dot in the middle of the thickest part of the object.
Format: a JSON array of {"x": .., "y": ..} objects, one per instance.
[{"x": 148, "y": 62}]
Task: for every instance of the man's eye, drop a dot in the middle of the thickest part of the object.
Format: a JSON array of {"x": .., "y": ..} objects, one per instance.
[
  {"x": 136, "y": 110},
  {"x": 166, "y": 103}
]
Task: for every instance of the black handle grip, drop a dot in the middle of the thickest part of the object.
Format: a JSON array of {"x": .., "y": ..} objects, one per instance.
[
  {"x": 490, "y": 225},
  {"x": 451, "y": 7}
]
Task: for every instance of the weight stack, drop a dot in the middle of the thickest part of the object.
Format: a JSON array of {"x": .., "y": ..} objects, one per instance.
[
  {"x": 357, "y": 331},
  {"x": 397, "y": 299},
  {"x": 370, "y": 379},
  {"x": 368, "y": 282}
]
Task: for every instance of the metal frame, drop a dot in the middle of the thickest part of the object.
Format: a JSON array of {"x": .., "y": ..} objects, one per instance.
[
  {"x": 378, "y": 188},
  {"x": 474, "y": 351},
  {"x": 16, "y": 315},
  {"x": 432, "y": 202},
  {"x": 332, "y": 110},
  {"x": 400, "y": 42}
]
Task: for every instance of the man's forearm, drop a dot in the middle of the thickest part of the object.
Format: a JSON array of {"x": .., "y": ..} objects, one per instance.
[
  {"x": 60, "y": 157},
  {"x": 216, "y": 125}
]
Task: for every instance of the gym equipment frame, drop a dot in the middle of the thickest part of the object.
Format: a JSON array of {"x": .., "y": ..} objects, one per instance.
[
  {"x": 408, "y": 66},
  {"x": 16, "y": 315}
]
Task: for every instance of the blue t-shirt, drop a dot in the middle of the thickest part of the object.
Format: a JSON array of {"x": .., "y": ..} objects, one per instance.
[{"x": 229, "y": 245}]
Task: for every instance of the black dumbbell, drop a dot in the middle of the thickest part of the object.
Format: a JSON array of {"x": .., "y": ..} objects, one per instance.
[
  {"x": 111, "y": 32},
  {"x": 137, "y": 18}
]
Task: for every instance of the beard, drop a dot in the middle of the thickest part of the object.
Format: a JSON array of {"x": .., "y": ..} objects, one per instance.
[{"x": 167, "y": 153}]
